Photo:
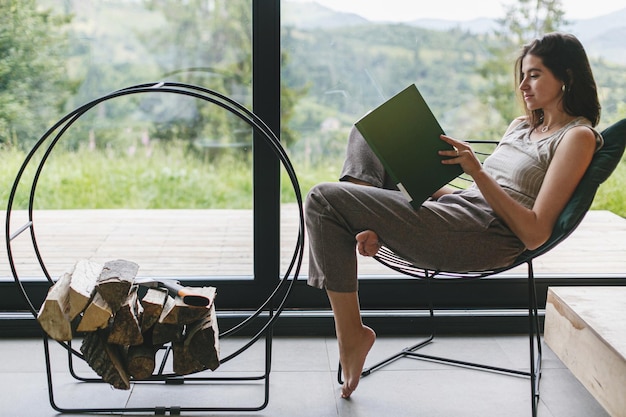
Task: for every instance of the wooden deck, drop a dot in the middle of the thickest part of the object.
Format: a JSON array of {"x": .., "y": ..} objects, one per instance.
[{"x": 186, "y": 243}]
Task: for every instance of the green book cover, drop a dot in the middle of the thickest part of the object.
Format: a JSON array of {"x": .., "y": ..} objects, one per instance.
[{"x": 404, "y": 134}]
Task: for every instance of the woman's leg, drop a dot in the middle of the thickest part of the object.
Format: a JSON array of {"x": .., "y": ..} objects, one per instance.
[
  {"x": 338, "y": 214},
  {"x": 355, "y": 340},
  {"x": 333, "y": 227},
  {"x": 362, "y": 166}
]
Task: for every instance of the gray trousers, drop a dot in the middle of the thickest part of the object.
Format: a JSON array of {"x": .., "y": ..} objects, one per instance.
[{"x": 458, "y": 232}]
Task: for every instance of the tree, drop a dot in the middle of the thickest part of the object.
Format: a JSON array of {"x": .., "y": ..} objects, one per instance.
[
  {"x": 523, "y": 21},
  {"x": 209, "y": 43},
  {"x": 33, "y": 80}
]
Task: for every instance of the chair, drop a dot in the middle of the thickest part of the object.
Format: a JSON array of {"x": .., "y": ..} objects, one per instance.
[{"x": 601, "y": 167}]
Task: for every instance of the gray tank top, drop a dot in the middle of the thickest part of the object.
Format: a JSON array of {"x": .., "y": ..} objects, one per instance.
[{"x": 519, "y": 164}]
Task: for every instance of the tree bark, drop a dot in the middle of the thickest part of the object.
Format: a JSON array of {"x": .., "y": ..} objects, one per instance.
[
  {"x": 105, "y": 359},
  {"x": 141, "y": 359}
]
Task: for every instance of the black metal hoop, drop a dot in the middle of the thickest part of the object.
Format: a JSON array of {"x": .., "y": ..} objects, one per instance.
[{"x": 275, "y": 302}]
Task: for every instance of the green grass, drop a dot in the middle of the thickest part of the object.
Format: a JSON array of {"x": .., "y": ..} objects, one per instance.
[
  {"x": 168, "y": 177},
  {"x": 611, "y": 194},
  {"x": 165, "y": 178}
]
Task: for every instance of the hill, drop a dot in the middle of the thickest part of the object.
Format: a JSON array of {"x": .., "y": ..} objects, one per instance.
[{"x": 602, "y": 36}]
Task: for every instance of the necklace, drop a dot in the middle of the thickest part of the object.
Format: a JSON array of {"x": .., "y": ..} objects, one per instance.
[{"x": 545, "y": 129}]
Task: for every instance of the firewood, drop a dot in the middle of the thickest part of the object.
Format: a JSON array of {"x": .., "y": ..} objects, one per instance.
[
  {"x": 199, "y": 350},
  {"x": 180, "y": 313},
  {"x": 115, "y": 281},
  {"x": 141, "y": 360},
  {"x": 202, "y": 341},
  {"x": 105, "y": 359},
  {"x": 125, "y": 330},
  {"x": 165, "y": 333},
  {"x": 184, "y": 363},
  {"x": 152, "y": 303},
  {"x": 124, "y": 333},
  {"x": 54, "y": 313},
  {"x": 83, "y": 285},
  {"x": 96, "y": 315}
]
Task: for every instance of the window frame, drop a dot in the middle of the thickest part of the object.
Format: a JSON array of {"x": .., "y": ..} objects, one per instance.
[{"x": 379, "y": 294}]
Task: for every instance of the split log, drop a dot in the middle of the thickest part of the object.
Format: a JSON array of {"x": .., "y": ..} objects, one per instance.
[
  {"x": 153, "y": 303},
  {"x": 202, "y": 341},
  {"x": 83, "y": 285},
  {"x": 184, "y": 363},
  {"x": 163, "y": 332},
  {"x": 200, "y": 349},
  {"x": 115, "y": 281},
  {"x": 141, "y": 359},
  {"x": 54, "y": 313},
  {"x": 125, "y": 330},
  {"x": 105, "y": 359},
  {"x": 180, "y": 313},
  {"x": 96, "y": 315}
]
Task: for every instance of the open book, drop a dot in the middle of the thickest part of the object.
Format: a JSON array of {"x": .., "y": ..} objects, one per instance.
[{"x": 404, "y": 134}]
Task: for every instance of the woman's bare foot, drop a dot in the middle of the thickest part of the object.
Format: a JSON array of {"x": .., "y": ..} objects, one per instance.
[
  {"x": 352, "y": 354},
  {"x": 355, "y": 340},
  {"x": 367, "y": 243}
]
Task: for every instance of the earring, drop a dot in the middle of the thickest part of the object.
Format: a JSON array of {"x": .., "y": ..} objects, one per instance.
[{"x": 563, "y": 88}]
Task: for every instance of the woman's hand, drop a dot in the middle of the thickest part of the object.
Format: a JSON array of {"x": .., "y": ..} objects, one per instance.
[
  {"x": 367, "y": 243},
  {"x": 462, "y": 154}
]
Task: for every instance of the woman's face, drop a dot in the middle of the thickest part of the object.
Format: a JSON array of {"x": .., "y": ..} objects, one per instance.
[{"x": 541, "y": 89}]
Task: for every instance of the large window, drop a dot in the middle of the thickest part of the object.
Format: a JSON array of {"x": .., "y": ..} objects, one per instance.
[
  {"x": 308, "y": 72},
  {"x": 131, "y": 174},
  {"x": 340, "y": 65}
]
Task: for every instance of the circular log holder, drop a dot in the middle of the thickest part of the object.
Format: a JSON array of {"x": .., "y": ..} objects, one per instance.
[{"x": 261, "y": 320}]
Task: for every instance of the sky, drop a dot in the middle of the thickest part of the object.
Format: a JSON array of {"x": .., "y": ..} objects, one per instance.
[{"x": 406, "y": 10}]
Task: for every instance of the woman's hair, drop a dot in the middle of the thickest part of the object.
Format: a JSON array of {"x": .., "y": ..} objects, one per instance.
[{"x": 565, "y": 57}]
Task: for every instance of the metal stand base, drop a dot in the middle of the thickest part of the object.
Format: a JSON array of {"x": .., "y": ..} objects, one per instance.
[{"x": 161, "y": 377}]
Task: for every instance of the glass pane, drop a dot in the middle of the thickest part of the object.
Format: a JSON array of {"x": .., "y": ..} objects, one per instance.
[
  {"x": 341, "y": 59},
  {"x": 156, "y": 175},
  {"x": 339, "y": 67}
]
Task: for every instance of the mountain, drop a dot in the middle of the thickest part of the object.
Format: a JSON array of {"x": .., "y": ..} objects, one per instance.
[
  {"x": 602, "y": 36},
  {"x": 480, "y": 25},
  {"x": 311, "y": 15}
]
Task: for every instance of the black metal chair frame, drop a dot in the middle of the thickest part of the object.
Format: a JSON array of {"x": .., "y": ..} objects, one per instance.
[
  {"x": 395, "y": 262},
  {"x": 262, "y": 320},
  {"x": 569, "y": 220}
]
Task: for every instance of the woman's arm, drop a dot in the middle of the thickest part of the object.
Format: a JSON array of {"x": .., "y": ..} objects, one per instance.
[
  {"x": 447, "y": 189},
  {"x": 533, "y": 226}
]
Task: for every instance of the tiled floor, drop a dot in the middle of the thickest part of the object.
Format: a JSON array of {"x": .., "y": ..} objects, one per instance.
[{"x": 303, "y": 383}]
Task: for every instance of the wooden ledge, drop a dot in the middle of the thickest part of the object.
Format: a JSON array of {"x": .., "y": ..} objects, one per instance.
[{"x": 586, "y": 329}]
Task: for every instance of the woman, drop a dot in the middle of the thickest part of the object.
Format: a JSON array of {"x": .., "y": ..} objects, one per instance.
[{"x": 513, "y": 204}]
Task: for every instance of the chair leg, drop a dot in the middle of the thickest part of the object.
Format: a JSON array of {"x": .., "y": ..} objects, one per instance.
[{"x": 534, "y": 334}]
